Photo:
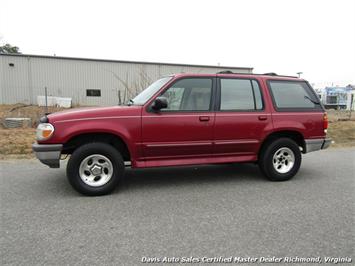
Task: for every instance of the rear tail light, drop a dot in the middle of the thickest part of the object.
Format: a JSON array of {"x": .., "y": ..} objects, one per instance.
[{"x": 325, "y": 122}]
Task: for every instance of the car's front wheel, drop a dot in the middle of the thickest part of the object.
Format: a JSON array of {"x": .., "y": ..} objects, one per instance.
[
  {"x": 280, "y": 160},
  {"x": 95, "y": 168}
]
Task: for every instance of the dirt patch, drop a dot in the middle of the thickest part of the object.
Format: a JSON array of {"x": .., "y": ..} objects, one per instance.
[
  {"x": 28, "y": 111},
  {"x": 340, "y": 115},
  {"x": 343, "y": 133},
  {"x": 16, "y": 141}
]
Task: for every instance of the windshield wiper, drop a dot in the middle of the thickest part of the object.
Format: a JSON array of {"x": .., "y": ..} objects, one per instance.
[
  {"x": 313, "y": 101},
  {"x": 130, "y": 102}
]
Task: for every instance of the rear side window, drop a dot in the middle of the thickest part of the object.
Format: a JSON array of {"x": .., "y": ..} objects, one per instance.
[
  {"x": 240, "y": 95},
  {"x": 288, "y": 95}
]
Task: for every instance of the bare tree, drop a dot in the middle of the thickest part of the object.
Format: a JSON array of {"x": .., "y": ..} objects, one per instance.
[{"x": 129, "y": 92}]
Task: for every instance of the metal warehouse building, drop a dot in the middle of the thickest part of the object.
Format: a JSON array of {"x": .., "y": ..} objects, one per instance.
[{"x": 86, "y": 81}]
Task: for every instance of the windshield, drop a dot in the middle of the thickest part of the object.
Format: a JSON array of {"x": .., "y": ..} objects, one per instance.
[{"x": 146, "y": 94}]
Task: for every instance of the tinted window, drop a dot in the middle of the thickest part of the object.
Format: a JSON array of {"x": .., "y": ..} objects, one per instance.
[
  {"x": 257, "y": 93},
  {"x": 240, "y": 94},
  {"x": 289, "y": 94},
  {"x": 189, "y": 95}
]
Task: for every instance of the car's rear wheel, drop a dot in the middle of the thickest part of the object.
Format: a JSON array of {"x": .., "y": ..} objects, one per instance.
[
  {"x": 280, "y": 159},
  {"x": 95, "y": 168}
]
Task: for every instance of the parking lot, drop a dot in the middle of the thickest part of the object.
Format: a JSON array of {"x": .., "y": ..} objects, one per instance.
[{"x": 215, "y": 210}]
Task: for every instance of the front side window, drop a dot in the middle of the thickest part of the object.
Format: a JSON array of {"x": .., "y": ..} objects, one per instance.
[
  {"x": 240, "y": 95},
  {"x": 293, "y": 95},
  {"x": 191, "y": 94}
]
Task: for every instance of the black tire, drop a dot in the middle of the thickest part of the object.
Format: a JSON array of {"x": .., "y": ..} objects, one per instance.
[
  {"x": 90, "y": 149},
  {"x": 266, "y": 159}
]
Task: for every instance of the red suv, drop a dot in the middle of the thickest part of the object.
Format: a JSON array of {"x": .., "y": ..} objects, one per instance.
[{"x": 187, "y": 119}]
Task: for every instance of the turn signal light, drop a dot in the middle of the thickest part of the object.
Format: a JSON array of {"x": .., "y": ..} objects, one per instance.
[{"x": 44, "y": 131}]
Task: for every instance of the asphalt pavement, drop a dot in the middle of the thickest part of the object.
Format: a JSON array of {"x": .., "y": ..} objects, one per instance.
[{"x": 181, "y": 212}]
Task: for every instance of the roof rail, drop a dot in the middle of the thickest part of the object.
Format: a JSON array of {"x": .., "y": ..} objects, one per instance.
[
  {"x": 270, "y": 74},
  {"x": 265, "y": 74},
  {"x": 225, "y": 72}
]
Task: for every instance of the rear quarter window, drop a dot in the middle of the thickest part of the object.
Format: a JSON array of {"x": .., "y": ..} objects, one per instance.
[{"x": 293, "y": 95}]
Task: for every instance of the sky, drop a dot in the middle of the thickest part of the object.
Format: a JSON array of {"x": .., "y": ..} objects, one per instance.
[{"x": 315, "y": 37}]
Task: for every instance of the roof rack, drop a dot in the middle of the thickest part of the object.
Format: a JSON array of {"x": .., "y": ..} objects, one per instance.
[
  {"x": 265, "y": 74},
  {"x": 270, "y": 74},
  {"x": 226, "y": 72}
]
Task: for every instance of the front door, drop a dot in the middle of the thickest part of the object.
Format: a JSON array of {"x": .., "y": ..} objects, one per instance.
[{"x": 184, "y": 130}]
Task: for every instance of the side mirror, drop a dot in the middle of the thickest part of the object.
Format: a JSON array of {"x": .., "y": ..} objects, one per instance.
[{"x": 160, "y": 103}]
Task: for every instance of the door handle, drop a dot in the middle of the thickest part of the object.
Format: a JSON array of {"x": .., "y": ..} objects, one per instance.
[
  {"x": 262, "y": 117},
  {"x": 204, "y": 118}
]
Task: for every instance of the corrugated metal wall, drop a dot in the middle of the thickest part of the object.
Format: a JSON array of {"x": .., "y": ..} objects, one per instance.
[
  {"x": 14, "y": 81},
  {"x": 64, "y": 77}
]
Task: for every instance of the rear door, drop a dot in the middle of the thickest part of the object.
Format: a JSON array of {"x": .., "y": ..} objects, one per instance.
[
  {"x": 184, "y": 129},
  {"x": 242, "y": 119}
]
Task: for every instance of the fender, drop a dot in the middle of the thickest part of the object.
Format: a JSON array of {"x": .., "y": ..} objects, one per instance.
[{"x": 126, "y": 128}]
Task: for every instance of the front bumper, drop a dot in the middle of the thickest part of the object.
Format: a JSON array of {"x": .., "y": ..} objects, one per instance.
[
  {"x": 48, "y": 154},
  {"x": 317, "y": 144}
]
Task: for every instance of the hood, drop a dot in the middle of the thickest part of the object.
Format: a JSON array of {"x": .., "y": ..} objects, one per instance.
[{"x": 94, "y": 112}]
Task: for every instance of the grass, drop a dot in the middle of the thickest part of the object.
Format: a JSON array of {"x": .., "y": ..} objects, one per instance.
[
  {"x": 21, "y": 110},
  {"x": 16, "y": 143},
  {"x": 343, "y": 133}
]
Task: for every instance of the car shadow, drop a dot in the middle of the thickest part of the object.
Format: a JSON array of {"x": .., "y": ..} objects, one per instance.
[
  {"x": 189, "y": 175},
  {"x": 152, "y": 178}
]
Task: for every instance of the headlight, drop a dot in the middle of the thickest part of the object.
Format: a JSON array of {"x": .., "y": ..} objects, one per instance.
[{"x": 44, "y": 131}]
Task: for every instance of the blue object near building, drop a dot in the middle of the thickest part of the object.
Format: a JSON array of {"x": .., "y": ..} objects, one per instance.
[{"x": 336, "y": 97}]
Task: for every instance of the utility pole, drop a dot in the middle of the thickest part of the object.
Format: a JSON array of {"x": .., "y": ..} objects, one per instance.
[
  {"x": 299, "y": 74},
  {"x": 351, "y": 104},
  {"x": 46, "y": 99},
  {"x": 119, "y": 98}
]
